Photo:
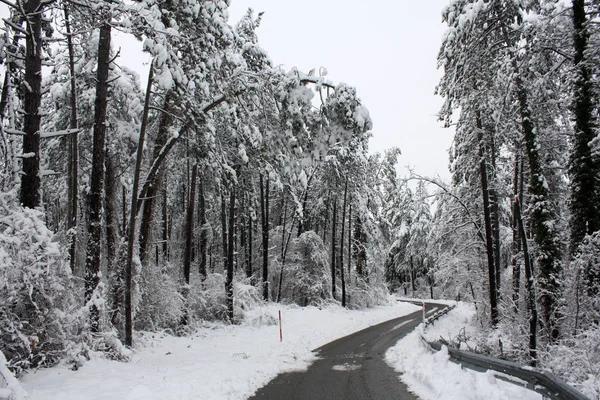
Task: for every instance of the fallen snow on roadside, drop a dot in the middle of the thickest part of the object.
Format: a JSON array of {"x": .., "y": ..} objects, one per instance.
[
  {"x": 432, "y": 376},
  {"x": 223, "y": 362}
]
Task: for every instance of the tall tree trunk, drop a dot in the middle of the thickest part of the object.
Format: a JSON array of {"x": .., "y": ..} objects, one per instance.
[
  {"x": 230, "y": 251},
  {"x": 133, "y": 215},
  {"x": 264, "y": 207},
  {"x": 224, "y": 229},
  {"x": 360, "y": 244},
  {"x": 189, "y": 239},
  {"x": 203, "y": 232},
  {"x": 282, "y": 248},
  {"x": 165, "y": 224},
  {"x": 542, "y": 219},
  {"x": 349, "y": 241},
  {"x": 531, "y": 307},
  {"x": 488, "y": 226},
  {"x": 584, "y": 165},
  {"x": 342, "y": 277},
  {"x": 516, "y": 249},
  {"x": 30, "y": 179},
  {"x": 249, "y": 273},
  {"x": 73, "y": 182},
  {"x": 150, "y": 196},
  {"x": 92, "y": 266},
  {"x": 333, "y": 249}
]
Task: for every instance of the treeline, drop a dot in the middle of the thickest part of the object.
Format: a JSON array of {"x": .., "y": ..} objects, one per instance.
[
  {"x": 516, "y": 230},
  {"x": 227, "y": 182}
]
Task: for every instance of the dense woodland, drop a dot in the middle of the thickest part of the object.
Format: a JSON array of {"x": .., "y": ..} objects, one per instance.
[{"x": 222, "y": 181}]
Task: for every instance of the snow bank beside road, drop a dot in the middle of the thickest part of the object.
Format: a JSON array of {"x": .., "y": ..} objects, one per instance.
[
  {"x": 432, "y": 376},
  {"x": 223, "y": 362}
]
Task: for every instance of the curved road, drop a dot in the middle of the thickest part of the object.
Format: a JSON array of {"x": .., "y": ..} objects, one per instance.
[{"x": 351, "y": 367}]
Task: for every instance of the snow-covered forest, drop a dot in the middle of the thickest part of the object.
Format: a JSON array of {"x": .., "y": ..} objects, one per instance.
[{"x": 222, "y": 181}]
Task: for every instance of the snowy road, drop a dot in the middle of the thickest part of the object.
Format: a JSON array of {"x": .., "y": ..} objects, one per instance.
[{"x": 350, "y": 368}]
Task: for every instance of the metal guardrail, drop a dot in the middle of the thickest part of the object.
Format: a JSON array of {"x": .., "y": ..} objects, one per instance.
[{"x": 542, "y": 382}]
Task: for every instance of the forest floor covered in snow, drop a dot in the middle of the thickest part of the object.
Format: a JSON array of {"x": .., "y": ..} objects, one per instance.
[
  {"x": 432, "y": 376},
  {"x": 216, "y": 362}
]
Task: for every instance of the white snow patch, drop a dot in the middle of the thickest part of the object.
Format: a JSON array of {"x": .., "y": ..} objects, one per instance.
[{"x": 345, "y": 367}]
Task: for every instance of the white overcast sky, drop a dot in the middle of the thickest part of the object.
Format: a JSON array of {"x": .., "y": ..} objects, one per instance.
[{"x": 386, "y": 49}]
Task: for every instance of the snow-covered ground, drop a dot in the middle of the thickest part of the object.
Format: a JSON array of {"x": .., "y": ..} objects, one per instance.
[
  {"x": 219, "y": 362},
  {"x": 432, "y": 376}
]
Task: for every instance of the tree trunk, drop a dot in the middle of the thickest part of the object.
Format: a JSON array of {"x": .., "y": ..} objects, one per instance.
[
  {"x": 516, "y": 249},
  {"x": 264, "y": 207},
  {"x": 189, "y": 240},
  {"x": 224, "y": 230},
  {"x": 230, "y": 251},
  {"x": 150, "y": 196},
  {"x": 30, "y": 179},
  {"x": 333, "y": 249},
  {"x": 360, "y": 242},
  {"x": 165, "y": 225},
  {"x": 584, "y": 165},
  {"x": 203, "y": 232},
  {"x": 349, "y": 240},
  {"x": 249, "y": 249},
  {"x": 92, "y": 267},
  {"x": 132, "y": 217},
  {"x": 342, "y": 278},
  {"x": 531, "y": 307},
  {"x": 282, "y": 259},
  {"x": 488, "y": 226},
  {"x": 73, "y": 182}
]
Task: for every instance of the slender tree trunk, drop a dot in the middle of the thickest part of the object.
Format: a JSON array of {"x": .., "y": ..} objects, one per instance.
[
  {"x": 189, "y": 239},
  {"x": 349, "y": 241},
  {"x": 342, "y": 277},
  {"x": 264, "y": 206},
  {"x": 531, "y": 307},
  {"x": 249, "y": 272},
  {"x": 488, "y": 227},
  {"x": 360, "y": 243},
  {"x": 92, "y": 267},
  {"x": 165, "y": 225},
  {"x": 224, "y": 230},
  {"x": 230, "y": 251},
  {"x": 73, "y": 182},
  {"x": 203, "y": 232},
  {"x": 30, "y": 179},
  {"x": 150, "y": 196},
  {"x": 282, "y": 249},
  {"x": 516, "y": 268},
  {"x": 133, "y": 215},
  {"x": 333, "y": 249}
]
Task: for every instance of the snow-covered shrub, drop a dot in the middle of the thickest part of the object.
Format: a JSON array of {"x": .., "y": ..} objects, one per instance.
[
  {"x": 34, "y": 288},
  {"x": 245, "y": 297},
  {"x": 307, "y": 277},
  {"x": 162, "y": 304},
  {"x": 362, "y": 294},
  {"x": 207, "y": 300},
  {"x": 577, "y": 361}
]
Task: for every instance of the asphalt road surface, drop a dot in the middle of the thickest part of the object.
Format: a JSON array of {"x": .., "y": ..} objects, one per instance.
[{"x": 350, "y": 368}]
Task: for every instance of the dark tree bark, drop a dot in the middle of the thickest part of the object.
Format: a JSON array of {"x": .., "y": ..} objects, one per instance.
[
  {"x": 230, "y": 251},
  {"x": 531, "y": 307},
  {"x": 73, "y": 182},
  {"x": 249, "y": 272},
  {"x": 30, "y": 179},
  {"x": 224, "y": 230},
  {"x": 264, "y": 207},
  {"x": 516, "y": 246},
  {"x": 189, "y": 226},
  {"x": 488, "y": 226},
  {"x": 333, "y": 249},
  {"x": 282, "y": 257},
  {"x": 150, "y": 196},
  {"x": 360, "y": 243},
  {"x": 165, "y": 224},
  {"x": 584, "y": 165},
  {"x": 342, "y": 277},
  {"x": 349, "y": 240},
  {"x": 203, "y": 232},
  {"x": 95, "y": 197},
  {"x": 133, "y": 215}
]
